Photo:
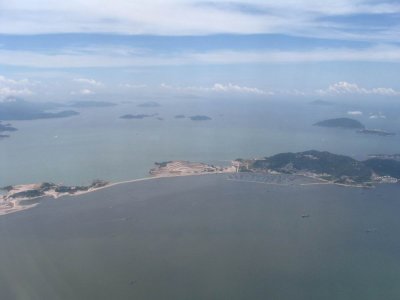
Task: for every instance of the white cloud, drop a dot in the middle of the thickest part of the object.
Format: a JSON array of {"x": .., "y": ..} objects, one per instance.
[
  {"x": 6, "y": 92},
  {"x": 16, "y": 82},
  {"x": 343, "y": 87},
  {"x": 217, "y": 88},
  {"x": 378, "y": 115},
  {"x": 15, "y": 87},
  {"x": 86, "y": 92},
  {"x": 83, "y": 92},
  {"x": 190, "y": 17},
  {"x": 355, "y": 113},
  {"x": 88, "y": 81}
]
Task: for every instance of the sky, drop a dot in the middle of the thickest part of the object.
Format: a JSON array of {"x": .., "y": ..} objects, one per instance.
[{"x": 92, "y": 49}]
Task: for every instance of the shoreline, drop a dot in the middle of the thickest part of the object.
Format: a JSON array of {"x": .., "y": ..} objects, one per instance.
[
  {"x": 10, "y": 205},
  {"x": 15, "y": 205}
]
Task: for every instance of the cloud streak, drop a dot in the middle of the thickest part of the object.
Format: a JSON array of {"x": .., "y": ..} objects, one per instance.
[
  {"x": 218, "y": 88},
  {"x": 195, "y": 17},
  {"x": 125, "y": 57},
  {"x": 343, "y": 88},
  {"x": 355, "y": 113}
]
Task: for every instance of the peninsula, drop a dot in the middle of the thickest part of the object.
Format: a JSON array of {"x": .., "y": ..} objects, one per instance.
[
  {"x": 321, "y": 165},
  {"x": 20, "y": 197}
]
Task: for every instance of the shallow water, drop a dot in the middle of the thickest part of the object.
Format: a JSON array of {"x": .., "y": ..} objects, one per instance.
[{"x": 206, "y": 237}]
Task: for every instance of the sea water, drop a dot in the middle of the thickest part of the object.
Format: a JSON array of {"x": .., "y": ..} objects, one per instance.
[
  {"x": 206, "y": 237},
  {"x": 97, "y": 144}
]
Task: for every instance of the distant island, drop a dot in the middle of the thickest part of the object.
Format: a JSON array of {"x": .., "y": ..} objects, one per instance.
[
  {"x": 149, "y": 104},
  {"x": 321, "y": 102},
  {"x": 18, "y": 109},
  {"x": 348, "y": 123},
  {"x": 6, "y": 128},
  {"x": 345, "y": 123},
  {"x": 89, "y": 104},
  {"x": 200, "y": 118},
  {"x": 139, "y": 116},
  {"x": 376, "y": 132},
  {"x": 180, "y": 117}
]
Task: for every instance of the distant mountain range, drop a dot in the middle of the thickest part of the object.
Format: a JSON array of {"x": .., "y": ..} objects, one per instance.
[{"x": 18, "y": 109}]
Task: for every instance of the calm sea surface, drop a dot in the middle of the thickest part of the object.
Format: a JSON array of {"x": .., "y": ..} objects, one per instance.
[
  {"x": 205, "y": 237},
  {"x": 98, "y": 145}
]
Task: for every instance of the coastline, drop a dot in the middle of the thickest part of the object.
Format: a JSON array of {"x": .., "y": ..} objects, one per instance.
[
  {"x": 16, "y": 205},
  {"x": 22, "y": 197}
]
